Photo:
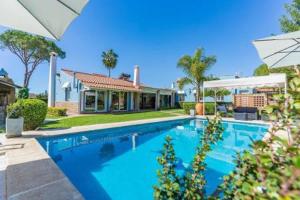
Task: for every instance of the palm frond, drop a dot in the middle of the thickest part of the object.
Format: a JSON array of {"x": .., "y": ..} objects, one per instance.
[
  {"x": 185, "y": 63},
  {"x": 182, "y": 82}
]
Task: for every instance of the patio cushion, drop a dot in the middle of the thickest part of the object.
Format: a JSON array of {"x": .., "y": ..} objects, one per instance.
[{"x": 245, "y": 110}]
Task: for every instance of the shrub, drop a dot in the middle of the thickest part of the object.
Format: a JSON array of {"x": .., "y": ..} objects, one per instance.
[
  {"x": 187, "y": 106},
  {"x": 14, "y": 111},
  {"x": 57, "y": 112},
  {"x": 33, "y": 111},
  {"x": 209, "y": 108}
]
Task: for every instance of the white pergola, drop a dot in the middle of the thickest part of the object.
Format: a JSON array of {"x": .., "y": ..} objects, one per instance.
[{"x": 272, "y": 80}]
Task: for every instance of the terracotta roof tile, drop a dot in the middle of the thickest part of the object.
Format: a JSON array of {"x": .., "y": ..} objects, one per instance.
[{"x": 102, "y": 82}]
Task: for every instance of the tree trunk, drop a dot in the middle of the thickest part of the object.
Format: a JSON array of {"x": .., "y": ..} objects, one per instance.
[
  {"x": 27, "y": 75},
  {"x": 108, "y": 72},
  {"x": 197, "y": 94},
  {"x": 28, "y": 79},
  {"x": 25, "y": 82}
]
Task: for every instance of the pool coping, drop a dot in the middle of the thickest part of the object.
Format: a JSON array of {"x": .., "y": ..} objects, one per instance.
[
  {"x": 227, "y": 119},
  {"x": 30, "y": 173}
]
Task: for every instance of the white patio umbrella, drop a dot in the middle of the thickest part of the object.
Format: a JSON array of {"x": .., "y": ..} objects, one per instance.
[
  {"x": 281, "y": 50},
  {"x": 49, "y": 18}
]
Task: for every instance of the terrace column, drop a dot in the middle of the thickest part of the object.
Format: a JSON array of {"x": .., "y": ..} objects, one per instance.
[
  {"x": 137, "y": 101},
  {"x": 157, "y": 100},
  {"x": 131, "y": 101},
  {"x": 173, "y": 99},
  {"x": 52, "y": 80},
  {"x": 108, "y": 101}
]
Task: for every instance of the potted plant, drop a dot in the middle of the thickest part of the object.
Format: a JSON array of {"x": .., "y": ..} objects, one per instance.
[{"x": 14, "y": 121}]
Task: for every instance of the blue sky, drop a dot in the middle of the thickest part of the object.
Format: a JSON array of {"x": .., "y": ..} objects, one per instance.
[{"x": 155, "y": 34}]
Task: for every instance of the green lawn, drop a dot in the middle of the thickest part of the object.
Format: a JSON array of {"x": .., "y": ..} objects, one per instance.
[
  {"x": 177, "y": 111},
  {"x": 104, "y": 118},
  {"x": 54, "y": 117}
]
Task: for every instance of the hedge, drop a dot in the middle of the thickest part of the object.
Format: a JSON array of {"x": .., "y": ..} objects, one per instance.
[
  {"x": 33, "y": 111},
  {"x": 187, "y": 106},
  {"x": 57, "y": 112},
  {"x": 209, "y": 107}
]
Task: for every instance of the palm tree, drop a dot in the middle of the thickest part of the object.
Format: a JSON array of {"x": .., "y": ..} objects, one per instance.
[
  {"x": 194, "y": 68},
  {"x": 109, "y": 59}
]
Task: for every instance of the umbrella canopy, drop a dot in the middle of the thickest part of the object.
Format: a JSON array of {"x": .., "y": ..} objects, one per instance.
[
  {"x": 281, "y": 50},
  {"x": 49, "y": 18}
]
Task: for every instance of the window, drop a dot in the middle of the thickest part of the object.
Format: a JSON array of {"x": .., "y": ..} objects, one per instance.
[
  {"x": 123, "y": 101},
  {"x": 220, "y": 98},
  {"x": 89, "y": 100},
  {"x": 119, "y": 100},
  {"x": 147, "y": 101},
  {"x": 165, "y": 101},
  {"x": 181, "y": 97},
  {"x": 100, "y": 100},
  {"x": 67, "y": 94},
  {"x": 115, "y": 100}
]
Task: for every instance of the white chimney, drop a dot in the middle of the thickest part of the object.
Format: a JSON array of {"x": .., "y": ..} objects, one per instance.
[
  {"x": 52, "y": 80},
  {"x": 136, "y": 78},
  {"x": 173, "y": 86}
]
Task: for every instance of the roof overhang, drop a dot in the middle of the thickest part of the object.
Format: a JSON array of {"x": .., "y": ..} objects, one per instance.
[{"x": 9, "y": 84}]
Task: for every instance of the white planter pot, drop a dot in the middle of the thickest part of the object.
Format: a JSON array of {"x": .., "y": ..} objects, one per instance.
[
  {"x": 14, "y": 127},
  {"x": 192, "y": 112}
]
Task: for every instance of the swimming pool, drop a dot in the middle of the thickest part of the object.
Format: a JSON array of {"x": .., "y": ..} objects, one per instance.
[{"x": 120, "y": 163}]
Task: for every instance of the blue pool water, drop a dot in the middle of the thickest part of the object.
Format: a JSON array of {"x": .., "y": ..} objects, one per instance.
[{"x": 120, "y": 163}]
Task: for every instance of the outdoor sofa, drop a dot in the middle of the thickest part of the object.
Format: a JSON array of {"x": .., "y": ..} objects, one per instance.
[{"x": 245, "y": 113}]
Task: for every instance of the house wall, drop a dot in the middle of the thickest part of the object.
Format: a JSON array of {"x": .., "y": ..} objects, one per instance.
[
  {"x": 72, "y": 104},
  {"x": 60, "y": 91}
]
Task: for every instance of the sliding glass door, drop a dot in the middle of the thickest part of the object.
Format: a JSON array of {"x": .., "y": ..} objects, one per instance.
[
  {"x": 94, "y": 101},
  {"x": 119, "y": 101},
  {"x": 123, "y": 101},
  {"x": 100, "y": 101},
  {"x": 115, "y": 100},
  {"x": 147, "y": 101},
  {"x": 89, "y": 100}
]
